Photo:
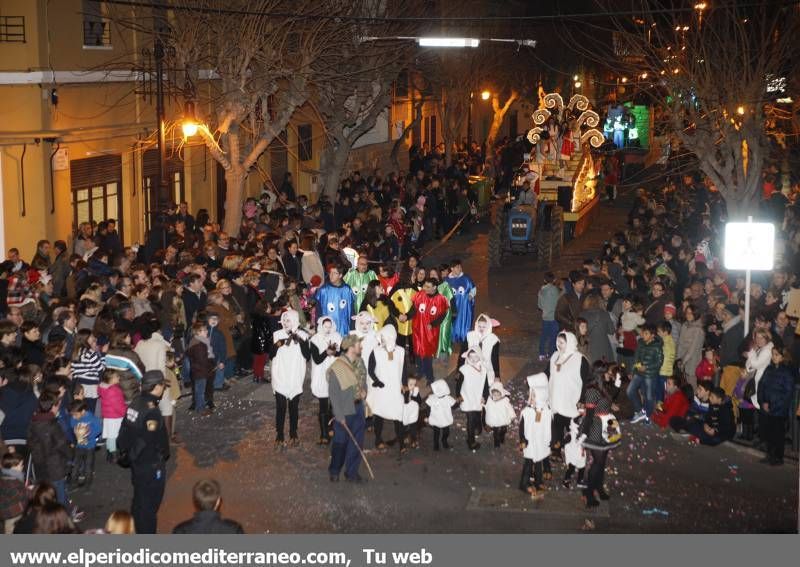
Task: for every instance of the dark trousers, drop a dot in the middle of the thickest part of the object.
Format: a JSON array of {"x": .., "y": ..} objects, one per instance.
[
  {"x": 282, "y": 403},
  {"x": 444, "y": 432},
  {"x": 473, "y": 427},
  {"x": 148, "y": 491},
  {"x": 696, "y": 428},
  {"x": 345, "y": 453},
  {"x": 324, "y": 418},
  {"x": 571, "y": 470},
  {"x": 83, "y": 465},
  {"x": 499, "y": 434},
  {"x": 560, "y": 427},
  {"x": 775, "y": 427},
  {"x": 208, "y": 392},
  {"x": 530, "y": 468},
  {"x": 377, "y": 426},
  {"x": 597, "y": 470},
  {"x": 425, "y": 367}
]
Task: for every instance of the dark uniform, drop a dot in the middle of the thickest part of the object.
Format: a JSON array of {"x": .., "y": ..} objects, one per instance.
[{"x": 144, "y": 436}]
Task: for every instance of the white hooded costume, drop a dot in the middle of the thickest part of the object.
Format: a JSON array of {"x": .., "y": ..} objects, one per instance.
[
  {"x": 574, "y": 453},
  {"x": 565, "y": 378},
  {"x": 411, "y": 407},
  {"x": 441, "y": 403},
  {"x": 475, "y": 381},
  {"x": 289, "y": 365},
  {"x": 536, "y": 418},
  {"x": 365, "y": 330},
  {"x": 483, "y": 338},
  {"x": 322, "y": 341},
  {"x": 499, "y": 413},
  {"x": 387, "y": 401}
]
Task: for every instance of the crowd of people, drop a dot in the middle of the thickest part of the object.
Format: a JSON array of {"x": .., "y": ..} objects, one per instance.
[{"x": 99, "y": 340}]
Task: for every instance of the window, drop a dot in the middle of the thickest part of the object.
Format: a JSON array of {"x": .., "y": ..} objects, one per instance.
[
  {"x": 12, "y": 29},
  {"x": 278, "y": 159},
  {"x": 96, "y": 25},
  {"x": 150, "y": 173},
  {"x": 97, "y": 203},
  {"x": 96, "y": 189},
  {"x": 304, "y": 142},
  {"x": 430, "y": 130}
]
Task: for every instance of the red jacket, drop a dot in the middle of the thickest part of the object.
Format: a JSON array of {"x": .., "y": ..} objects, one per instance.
[
  {"x": 112, "y": 401},
  {"x": 705, "y": 370},
  {"x": 675, "y": 405}
]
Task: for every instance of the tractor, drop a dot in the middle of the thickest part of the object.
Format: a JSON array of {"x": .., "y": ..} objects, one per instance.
[{"x": 525, "y": 229}]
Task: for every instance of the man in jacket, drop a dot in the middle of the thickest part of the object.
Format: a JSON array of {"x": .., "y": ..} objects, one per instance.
[
  {"x": 59, "y": 269},
  {"x": 730, "y": 347},
  {"x": 654, "y": 313},
  {"x": 207, "y": 498},
  {"x": 144, "y": 439},
  {"x": 647, "y": 364},
  {"x": 347, "y": 379},
  {"x": 48, "y": 445},
  {"x": 569, "y": 304}
]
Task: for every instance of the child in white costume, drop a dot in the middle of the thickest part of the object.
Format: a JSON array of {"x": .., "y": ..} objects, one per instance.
[
  {"x": 499, "y": 412},
  {"x": 411, "y": 401},
  {"x": 574, "y": 455},
  {"x": 441, "y": 417},
  {"x": 534, "y": 435},
  {"x": 324, "y": 347}
]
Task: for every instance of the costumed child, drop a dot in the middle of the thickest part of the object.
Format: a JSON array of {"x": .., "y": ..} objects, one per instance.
[
  {"x": 289, "y": 357},
  {"x": 385, "y": 387},
  {"x": 499, "y": 412},
  {"x": 534, "y": 435},
  {"x": 324, "y": 347},
  {"x": 473, "y": 381},
  {"x": 482, "y": 337},
  {"x": 574, "y": 455},
  {"x": 441, "y": 405},
  {"x": 365, "y": 330},
  {"x": 411, "y": 402}
]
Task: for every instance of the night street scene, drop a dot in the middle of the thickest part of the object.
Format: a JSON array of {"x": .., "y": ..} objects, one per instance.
[{"x": 399, "y": 266}]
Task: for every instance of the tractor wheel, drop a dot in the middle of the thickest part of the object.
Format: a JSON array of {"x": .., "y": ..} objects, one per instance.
[
  {"x": 544, "y": 244},
  {"x": 495, "y": 247}
]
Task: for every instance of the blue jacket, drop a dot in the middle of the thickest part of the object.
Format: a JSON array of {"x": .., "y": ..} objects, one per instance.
[
  {"x": 217, "y": 340},
  {"x": 18, "y": 403},
  {"x": 86, "y": 430},
  {"x": 776, "y": 388}
]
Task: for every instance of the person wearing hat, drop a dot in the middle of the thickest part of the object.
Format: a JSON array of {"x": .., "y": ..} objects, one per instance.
[
  {"x": 347, "y": 390},
  {"x": 144, "y": 442},
  {"x": 730, "y": 356}
]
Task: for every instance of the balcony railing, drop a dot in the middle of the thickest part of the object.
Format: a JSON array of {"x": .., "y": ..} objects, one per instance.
[
  {"x": 96, "y": 33},
  {"x": 12, "y": 29}
]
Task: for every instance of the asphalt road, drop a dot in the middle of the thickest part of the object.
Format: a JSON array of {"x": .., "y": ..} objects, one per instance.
[{"x": 658, "y": 483}]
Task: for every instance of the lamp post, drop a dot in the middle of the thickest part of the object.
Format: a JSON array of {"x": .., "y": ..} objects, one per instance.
[
  {"x": 161, "y": 197},
  {"x": 749, "y": 246},
  {"x": 485, "y": 95}
]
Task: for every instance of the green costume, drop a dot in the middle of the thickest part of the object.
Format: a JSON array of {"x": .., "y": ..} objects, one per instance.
[
  {"x": 446, "y": 328},
  {"x": 359, "y": 282}
]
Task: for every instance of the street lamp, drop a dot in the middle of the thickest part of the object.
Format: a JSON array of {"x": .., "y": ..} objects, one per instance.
[
  {"x": 749, "y": 246},
  {"x": 448, "y": 42},
  {"x": 485, "y": 95},
  {"x": 740, "y": 110},
  {"x": 189, "y": 125}
]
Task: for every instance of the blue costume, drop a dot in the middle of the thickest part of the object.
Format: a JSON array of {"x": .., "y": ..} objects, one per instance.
[
  {"x": 464, "y": 301},
  {"x": 336, "y": 303}
]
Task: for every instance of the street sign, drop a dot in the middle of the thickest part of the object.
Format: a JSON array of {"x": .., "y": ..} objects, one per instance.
[{"x": 749, "y": 246}]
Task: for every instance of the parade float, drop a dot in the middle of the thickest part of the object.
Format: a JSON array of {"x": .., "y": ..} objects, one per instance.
[{"x": 562, "y": 138}]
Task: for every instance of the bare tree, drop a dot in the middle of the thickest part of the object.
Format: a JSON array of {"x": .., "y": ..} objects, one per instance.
[
  {"x": 356, "y": 81},
  {"x": 713, "y": 71},
  {"x": 258, "y": 57}
]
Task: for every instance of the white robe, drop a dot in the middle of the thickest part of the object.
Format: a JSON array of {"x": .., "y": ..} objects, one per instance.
[
  {"x": 574, "y": 453},
  {"x": 566, "y": 384},
  {"x": 499, "y": 413},
  {"x": 368, "y": 343},
  {"x": 289, "y": 366},
  {"x": 387, "y": 402},
  {"x": 411, "y": 409},
  {"x": 537, "y": 434},
  {"x": 472, "y": 388},
  {"x": 485, "y": 344},
  {"x": 319, "y": 372}
]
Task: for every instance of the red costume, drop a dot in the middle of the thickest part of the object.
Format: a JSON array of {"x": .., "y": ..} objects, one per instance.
[
  {"x": 388, "y": 283},
  {"x": 675, "y": 405},
  {"x": 429, "y": 310}
]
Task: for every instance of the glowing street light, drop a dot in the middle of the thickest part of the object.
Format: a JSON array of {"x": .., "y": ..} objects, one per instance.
[
  {"x": 578, "y": 84},
  {"x": 448, "y": 42},
  {"x": 485, "y": 95},
  {"x": 740, "y": 110},
  {"x": 189, "y": 124}
]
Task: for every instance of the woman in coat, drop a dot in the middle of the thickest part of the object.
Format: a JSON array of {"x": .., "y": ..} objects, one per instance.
[
  {"x": 775, "y": 393},
  {"x": 120, "y": 357},
  {"x": 690, "y": 345},
  {"x": 261, "y": 338},
  {"x": 600, "y": 327},
  {"x": 602, "y": 434}
]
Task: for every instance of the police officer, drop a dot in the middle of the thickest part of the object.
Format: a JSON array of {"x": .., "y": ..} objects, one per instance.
[{"x": 143, "y": 436}]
